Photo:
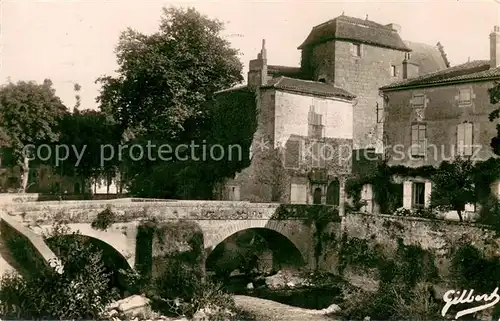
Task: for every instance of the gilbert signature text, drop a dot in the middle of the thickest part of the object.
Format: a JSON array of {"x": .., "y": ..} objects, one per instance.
[{"x": 453, "y": 298}]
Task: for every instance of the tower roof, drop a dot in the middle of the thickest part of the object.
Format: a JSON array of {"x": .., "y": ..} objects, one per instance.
[{"x": 355, "y": 29}]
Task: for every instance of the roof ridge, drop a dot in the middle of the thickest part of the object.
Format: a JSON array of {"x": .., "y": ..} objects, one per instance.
[{"x": 279, "y": 80}]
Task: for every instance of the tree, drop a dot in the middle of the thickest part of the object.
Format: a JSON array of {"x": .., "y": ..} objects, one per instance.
[
  {"x": 165, "y": 79},
  {"x": 165, "y": 93},
  {"x": 453, "y": 186},
  {"x": 29, "y": 114},
  {"x": 85, "y": 133},
  {"x": 494, "y": 93},
  {"x": 76, "y": 89}
]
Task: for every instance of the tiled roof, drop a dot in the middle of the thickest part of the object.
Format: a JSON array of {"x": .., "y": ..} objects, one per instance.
[
  {"x": 293, "y": 72},
  {"x": 308, "y": 87},
  {"x": 472, "y": 71},
  {"x": 349, "y": 28},
  {"x": 428, "y": 58}
]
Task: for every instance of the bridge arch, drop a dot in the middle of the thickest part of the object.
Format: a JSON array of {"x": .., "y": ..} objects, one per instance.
[
  {"x": 114, "y": 239},
  {"x": 294, "y": 231},
  {"x": 112, "y": 260}
]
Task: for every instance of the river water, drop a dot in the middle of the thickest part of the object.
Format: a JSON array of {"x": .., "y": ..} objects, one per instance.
[{"x": 307, "y": 298}]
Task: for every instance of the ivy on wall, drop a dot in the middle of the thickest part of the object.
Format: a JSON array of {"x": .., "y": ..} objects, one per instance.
[
  {"x": 318, "y": 215},
  {"x": 411, "y": 264},
  {"x": 386, "y": 190}
]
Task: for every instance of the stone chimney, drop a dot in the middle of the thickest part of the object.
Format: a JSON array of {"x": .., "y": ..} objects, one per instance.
[
  {"x": 495, "y": 47},
  {"x": 395, "y": 27},
  {"x": 257, "y": 71},
  {"x": 410, "y": 68}
]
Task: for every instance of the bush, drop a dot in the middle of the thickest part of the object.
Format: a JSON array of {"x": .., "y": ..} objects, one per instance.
[
  {"x": 104, "y": 220},
  {"x": 490, "y": 214},
  {"x": 181, "y": 290},
  {"x": 393, "y": 301},
  {"x": 402, "y": 212},
  {"x": 80, "y": 292}
]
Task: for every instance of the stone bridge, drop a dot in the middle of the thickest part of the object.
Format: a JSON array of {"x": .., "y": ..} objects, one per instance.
[
  {"x": 217, "y": 220},
  {"x": 292, "y": 230}
]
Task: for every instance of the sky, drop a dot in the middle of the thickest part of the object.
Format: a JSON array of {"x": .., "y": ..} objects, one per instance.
[{"x": 72, "y": 41}]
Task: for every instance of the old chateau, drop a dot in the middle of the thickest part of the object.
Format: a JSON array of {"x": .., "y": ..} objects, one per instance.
[{"x": 361, "y": 87}]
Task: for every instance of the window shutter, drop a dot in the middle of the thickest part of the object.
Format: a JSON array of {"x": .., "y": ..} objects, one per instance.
[
  {"x": 407, "y": 196},
  {"x": 468, "y": 139},
  {"x": 414, "y": 139},
  {"x": 421, "y": 138},
  {"x": 460, "y": 139}
]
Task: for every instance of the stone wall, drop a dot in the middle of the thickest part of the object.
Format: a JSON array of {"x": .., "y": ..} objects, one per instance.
[
  {"x": 384, "y": 232},
  {"x": 362, "y": 76}
]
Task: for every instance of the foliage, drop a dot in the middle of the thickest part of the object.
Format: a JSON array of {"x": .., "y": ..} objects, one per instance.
[
  {"x": 393, "y": 301},
  {"x": 181, "y": 290},
  {"x": 404, "y": 290},
  {"x": 466, "y": 261},
  {"x": 494, "y": 93},
  {"x": 453, "y": 186},
  {"x": 322, "y": 214},
  {"x": 80, "y": 292},
  {"x": 401, "y": 211},
  {"x": 87, "y": 132},
  {"x": 165, "y": 79},
  {"x": 104, "y": 219},
  {"x": 490, "y": 214},
  {"x": 165, "y": 94},
  {"x": 29, "y": 115},
  {"x": 193, "y": 172},
  {"x": 387, "y": 193},
  {"x": 357, "y": 252},
  {"x": 410, "y": 264}
]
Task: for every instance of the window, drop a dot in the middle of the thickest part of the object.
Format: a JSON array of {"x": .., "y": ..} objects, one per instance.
[
  {"x": 464, "y": 139},
  {"x": 356, "y": 49},
  {"x": 393, "y": 71},
  {"x": 315, "y": 124},
  {"x": 292, "y": 154},
  {"x": 318, "y": 155},
  {"x": 418, "y": 101},
  {"x": 298, "y": 194},
  {"x": 407, "y": 56},
  {"x": 418, "y": 194},
  {"x": 464, "y": 97},
  {"x": 418, "y": 141}
]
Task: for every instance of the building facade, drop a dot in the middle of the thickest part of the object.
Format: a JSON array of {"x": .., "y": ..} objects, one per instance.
[
  {"x": 329, "y": 106},
  {"x": 361, "y": 56},
  {"x": 434, "y": 118},
  {"x": 301, "y": 148}
]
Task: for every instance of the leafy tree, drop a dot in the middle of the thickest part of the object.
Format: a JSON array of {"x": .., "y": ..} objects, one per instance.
[
  {"x": 78, "y": 98},
  {"x": 164, "y": 79},
  {"x": 85, "y": 133},
  {"x": 29, "y": 114},
  {"x": 494, "y": 93},
  {"x": 165, "y": 93},
  {"x": 453, "y": 186}
]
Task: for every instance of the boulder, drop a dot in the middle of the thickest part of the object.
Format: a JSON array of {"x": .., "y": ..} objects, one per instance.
[
  {"x": 131, "y": 306},
  {"x": 332, "y": 309},
  {"x": 284, "y": 279},
  {"x": 250, "y": 286}
]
